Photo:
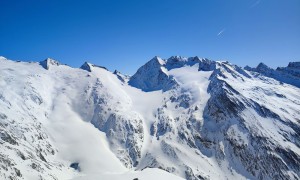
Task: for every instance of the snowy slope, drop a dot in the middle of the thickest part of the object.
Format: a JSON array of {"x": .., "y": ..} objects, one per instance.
[
  {"x": 42, "y": 133},
  {"x": 192, "y": 117}
]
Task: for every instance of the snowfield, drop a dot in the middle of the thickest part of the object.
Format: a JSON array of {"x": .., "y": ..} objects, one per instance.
[{"x": 179, "y": 118}]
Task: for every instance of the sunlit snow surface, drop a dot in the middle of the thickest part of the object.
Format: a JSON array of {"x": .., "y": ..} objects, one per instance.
[
  {"x": 54, "y": 115},
  {"x": 24, "y": 85}
]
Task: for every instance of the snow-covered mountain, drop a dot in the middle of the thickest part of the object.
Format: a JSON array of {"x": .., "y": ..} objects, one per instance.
[
  {"x": 188, "y": 118},
  {"x": 289, "y": 74}
]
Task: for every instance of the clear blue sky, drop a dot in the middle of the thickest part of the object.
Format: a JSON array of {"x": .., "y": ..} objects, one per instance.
[{"x": 124, "y": 34}]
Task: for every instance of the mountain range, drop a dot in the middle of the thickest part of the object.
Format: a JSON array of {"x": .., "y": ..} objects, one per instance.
[{"x": 176, "y": 118}]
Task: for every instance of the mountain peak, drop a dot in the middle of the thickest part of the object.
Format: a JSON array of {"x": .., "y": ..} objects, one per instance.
[
  {"x": 295, "y": 65},
  {"x": 152, "y": 76},
  {"x": 195, "y": 58},
  {"x": 86, "y": 66},
  {"x": 156, "y": 60},
  {"x": 289, "y": 74},
  {"x": 89, "y": 67},
  {"x": 248, "y": 68},
  {"x": 262, "y": 66},
  {"x": 49, "y": 62}
]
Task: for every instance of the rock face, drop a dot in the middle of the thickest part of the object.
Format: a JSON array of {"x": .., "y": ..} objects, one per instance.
[
  {"x": 47, "y": 63},
  {"x": 178, "y": 62},
  {"x": 89, "y": 67},
  {"x": 152, "y": 76},
  {"x": 122, "y": 77},
  {"x": 292, "y": 69},
  {"x": 193, "y": 117}
]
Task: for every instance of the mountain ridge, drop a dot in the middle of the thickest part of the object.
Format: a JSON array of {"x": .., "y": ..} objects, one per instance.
[{"x": 195, "y": 118}]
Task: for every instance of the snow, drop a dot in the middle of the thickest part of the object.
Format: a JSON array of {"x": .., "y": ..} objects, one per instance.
[
  {"x": 52, "y": 113},
  {"x": 79, "y": 141},
  {"x": 75, "y": 138},
  {"x": 147, "y": 174},
  {"x": 194, "y": 81}
]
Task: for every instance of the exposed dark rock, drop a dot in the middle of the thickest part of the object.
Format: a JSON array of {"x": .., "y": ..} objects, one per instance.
[{"x": 75, "y": 166}]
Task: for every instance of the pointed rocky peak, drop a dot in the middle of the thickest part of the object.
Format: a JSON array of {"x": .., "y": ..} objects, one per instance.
[
  {"x": 47, "y": 63},
  {"x": 154, "y": 65},
  {"x": 263, "y": 69},
  {"x": 152, "y": 76},
  {"x": 248, "y": 68},
  {"x": 194, "y": 59},
  {"x": 261, "y": 66},
  {"x": 89, "y": 67},
  {"x": 156, "y": 62}
]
